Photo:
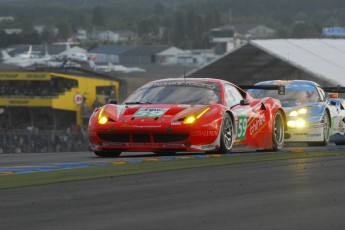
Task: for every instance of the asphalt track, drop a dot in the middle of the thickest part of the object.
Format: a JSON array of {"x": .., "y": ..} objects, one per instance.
[{"x": 288, "y": 194}]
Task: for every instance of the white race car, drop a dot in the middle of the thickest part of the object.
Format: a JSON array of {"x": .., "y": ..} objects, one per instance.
[{"x": 314, "y": 116}]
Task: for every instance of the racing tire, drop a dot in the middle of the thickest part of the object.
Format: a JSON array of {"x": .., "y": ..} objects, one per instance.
[
  {"x": 325, "y": 132},
  {"x": 278, "y": 132},
  {"x": 107, "y": 154},
  {"x": 226, "y": 135}
]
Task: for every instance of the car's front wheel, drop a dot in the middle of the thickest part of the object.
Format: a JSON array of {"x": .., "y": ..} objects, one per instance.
[
  {"x": 226, "y": 135},
  {"x": 107, "y": 154}
]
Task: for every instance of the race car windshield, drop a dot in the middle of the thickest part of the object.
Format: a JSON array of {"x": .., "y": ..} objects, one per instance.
[
  {"x": 174, "y": 95},
  {"x": 292, "y": 97}
]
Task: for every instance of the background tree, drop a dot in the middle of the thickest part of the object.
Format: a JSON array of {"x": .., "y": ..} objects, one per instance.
[{"x": 98, "y": 17}]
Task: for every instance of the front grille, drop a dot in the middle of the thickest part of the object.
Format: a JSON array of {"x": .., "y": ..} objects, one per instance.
[
  {"x": 169, "y": 137},
  {"x": 114, "y": 137},
  {"x": 141, "y": 138}
]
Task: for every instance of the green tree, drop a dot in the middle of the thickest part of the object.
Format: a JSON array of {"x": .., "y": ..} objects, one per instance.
[
  {"x": 64, "y": 28},
  {"x": 98, "y": 17}
]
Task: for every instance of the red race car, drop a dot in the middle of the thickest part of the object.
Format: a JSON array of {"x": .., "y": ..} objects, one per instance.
[{"x": 186, "y": 114}]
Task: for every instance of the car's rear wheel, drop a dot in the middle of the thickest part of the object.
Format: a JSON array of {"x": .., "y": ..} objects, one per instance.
[
  {"x": 107, "y": 154},
  {"x": 278, "y": 131},
  {"x": 326, "y": 127},
  {"x": 227, "y": 135}
]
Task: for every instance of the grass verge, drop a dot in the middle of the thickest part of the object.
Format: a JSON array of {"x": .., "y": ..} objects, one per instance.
[{"x": 95, "y": 172}]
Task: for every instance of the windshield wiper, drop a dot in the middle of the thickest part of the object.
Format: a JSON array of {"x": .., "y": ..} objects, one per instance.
[{"x": 138, "y": 103}]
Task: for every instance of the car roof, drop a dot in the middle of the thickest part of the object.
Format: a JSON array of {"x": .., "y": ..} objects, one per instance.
[{"x": 292, "y": 83}]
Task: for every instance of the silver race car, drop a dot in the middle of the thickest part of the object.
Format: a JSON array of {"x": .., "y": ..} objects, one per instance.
[{"x": 315, "y": 115}]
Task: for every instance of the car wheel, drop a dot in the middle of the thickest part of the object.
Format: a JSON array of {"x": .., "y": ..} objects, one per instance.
[
  {"x": 107, "y": 154},
  {"x": 227, "y": 135},
  {"x": 325, "y": 132},
  {"x": 278, "y": 131}
]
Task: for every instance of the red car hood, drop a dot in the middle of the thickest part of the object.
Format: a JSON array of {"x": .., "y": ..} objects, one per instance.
[{"x": 168, "y": 112}]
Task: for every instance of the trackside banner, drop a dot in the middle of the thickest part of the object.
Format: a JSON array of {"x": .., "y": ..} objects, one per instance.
[{"x": 25, "y": 76}]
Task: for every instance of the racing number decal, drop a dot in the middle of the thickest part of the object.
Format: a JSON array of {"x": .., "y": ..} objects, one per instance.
[
  {"x": 150, "y": 112},
  {"x": 242, "y": 127}
]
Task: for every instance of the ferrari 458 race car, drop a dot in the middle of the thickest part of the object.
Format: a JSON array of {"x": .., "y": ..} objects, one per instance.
[
  {"x": 185, "y": 114},
  {"x": 313, "y": 116}
]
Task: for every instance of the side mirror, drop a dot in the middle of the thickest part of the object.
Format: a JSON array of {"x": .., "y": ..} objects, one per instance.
[
  {"x": 112, "y": 101},
  {"x": 281, "y": 89}
]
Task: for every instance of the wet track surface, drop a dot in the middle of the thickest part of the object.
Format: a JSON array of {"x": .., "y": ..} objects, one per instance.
[{"x": 287, "y": 194}]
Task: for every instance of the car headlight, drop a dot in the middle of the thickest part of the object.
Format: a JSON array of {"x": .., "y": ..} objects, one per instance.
[
  {"x": 300, "y": 123},
  {"x": 192, "y": 118},
  {"x": 102, "y": 119},
  {"x": 295, "y": 113}
]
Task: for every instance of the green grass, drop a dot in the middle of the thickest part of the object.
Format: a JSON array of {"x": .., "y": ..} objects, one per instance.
[{"x": 94, "y": 172}]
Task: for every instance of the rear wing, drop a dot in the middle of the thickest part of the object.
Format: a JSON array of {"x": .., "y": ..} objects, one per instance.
[
  {"x": 336, "y": 89},
  {"x": 279, "y": 88}
]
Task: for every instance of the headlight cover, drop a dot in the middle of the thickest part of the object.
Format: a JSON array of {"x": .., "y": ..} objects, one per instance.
[
  {"x": 192, "y": 118},
  {"x": 299, "y": 123},
  {"x": 300, "y": 111},
  {"x": 102, "y": 119}
]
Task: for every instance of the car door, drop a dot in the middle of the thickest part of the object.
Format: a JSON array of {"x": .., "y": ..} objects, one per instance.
[{"x": 242, "y": 112}]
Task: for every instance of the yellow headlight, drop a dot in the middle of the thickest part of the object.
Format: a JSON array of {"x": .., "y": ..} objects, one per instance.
[
  {"x": 102, "y": 120},
  {"x": 189, "y": 120},
  {"x": 192, "y": 118},
  {"x": 300, "y": 123},
  {"x": 291, "y": 123},
  {"x": 302, "y": 111},
  {"x": 293, "y": 114},
  {"x": 296, "y": 124}
]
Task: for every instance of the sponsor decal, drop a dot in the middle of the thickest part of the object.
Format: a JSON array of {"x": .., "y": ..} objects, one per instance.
[
  {"x": 300, "y": 134},
  {"x": 9, "y": 75},
  {"x": 116, "y": 144},
  {"x": 204, "y": 133},
  {"x": 126, "y": 126},
  {"x": 18, "y": 102},
  {"x": 147, "y": 126},
  {"x": 150, "y": 112},
  {"x": 36, "y": 76},
  {"x": 257, "y": 125},
  {"x": 172, "y": 145},
  {"x": 139, "y": 126},
  {"x": 208, "y": 147},
  {"x": 314, "y": 135},
  {"x": 144, "y": 145},
  {"x": 176, "y": 123},
  {"x": 184, "y": 83}
]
